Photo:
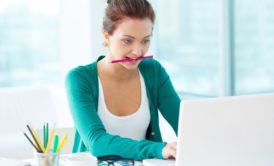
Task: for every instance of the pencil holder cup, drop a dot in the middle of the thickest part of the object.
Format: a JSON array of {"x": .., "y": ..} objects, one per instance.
[{"x": 48, "y": 159}]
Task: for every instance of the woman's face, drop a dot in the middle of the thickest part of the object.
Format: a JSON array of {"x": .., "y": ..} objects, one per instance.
[{"x": 131, "y": 39}]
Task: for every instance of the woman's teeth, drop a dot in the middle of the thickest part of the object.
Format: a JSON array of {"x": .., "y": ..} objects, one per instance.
[
  {"x": 133, "y": 59},
  {"x": 130, "y": 58}
]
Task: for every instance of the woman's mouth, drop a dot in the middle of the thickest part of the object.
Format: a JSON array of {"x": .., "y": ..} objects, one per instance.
[
  {"x": 129, "y": 59},
  {"x": 132, "y": 59}
]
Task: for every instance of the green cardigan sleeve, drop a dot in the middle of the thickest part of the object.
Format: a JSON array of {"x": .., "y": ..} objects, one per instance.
[
  {"x": 168, "y": 99},
  {"x": 162, "y": 93},
  {"x": 88, "y": 124}
]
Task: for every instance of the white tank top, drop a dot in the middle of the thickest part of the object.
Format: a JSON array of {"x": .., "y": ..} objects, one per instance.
[{"x": 132, "y": 126}]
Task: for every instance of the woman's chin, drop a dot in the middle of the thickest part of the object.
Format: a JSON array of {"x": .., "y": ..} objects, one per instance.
[{"x": 131, "y": 65}]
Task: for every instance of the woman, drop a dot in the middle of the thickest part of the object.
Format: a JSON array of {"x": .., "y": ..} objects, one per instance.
[{"x": 115, "y": 105}]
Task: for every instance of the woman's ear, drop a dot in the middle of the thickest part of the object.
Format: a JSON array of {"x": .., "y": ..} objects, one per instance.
[
  {"x": 106, "y": 38},
  {"x": 106, "y": 35}
]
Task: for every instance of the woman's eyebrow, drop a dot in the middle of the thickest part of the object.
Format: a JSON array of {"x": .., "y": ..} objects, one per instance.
[{"x": 134, "y": 37}]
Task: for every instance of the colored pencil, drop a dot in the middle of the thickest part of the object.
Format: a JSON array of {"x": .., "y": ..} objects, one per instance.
[
  {"x": 50, "y": 140},
  {"x": 31, "y": 142},
  {"x": 38, "y": 140},
  {"x": 47, "y": 134},
  {"x": 38, "y": 146},
  {"x": 63, "y": 141},
  {"x": 56, "y": 142}
]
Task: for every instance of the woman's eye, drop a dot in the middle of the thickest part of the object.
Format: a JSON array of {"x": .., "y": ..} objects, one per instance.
[
  {"x": 126, "y": 41},
  {"x": 146, "y": 41}
]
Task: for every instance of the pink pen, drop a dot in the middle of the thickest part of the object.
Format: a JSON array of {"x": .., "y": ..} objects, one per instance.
[{"x": 130, "y": 60}]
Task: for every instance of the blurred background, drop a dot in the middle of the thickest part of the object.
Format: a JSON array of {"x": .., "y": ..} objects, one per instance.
[{"x": 210, "y": 48}]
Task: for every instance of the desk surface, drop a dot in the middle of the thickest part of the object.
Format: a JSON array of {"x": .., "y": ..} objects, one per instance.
[{"x": 80, "y": 157}]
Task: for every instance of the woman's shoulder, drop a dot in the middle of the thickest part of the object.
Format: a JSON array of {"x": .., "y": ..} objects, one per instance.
[
  {"x": 151, "y": 66},
  {"x": 151, "y": 61},
  {"x": 88, "y": 71}
]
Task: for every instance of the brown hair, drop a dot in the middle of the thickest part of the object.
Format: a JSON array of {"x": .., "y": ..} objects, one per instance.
[{"x": 119, "y": 9}]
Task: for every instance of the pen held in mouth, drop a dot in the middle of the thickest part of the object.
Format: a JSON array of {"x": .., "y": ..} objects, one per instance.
[{"x": 130, "y": 60}]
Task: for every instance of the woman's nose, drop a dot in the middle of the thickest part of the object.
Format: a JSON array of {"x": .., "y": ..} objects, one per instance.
[{"x": 138, "y": 51}]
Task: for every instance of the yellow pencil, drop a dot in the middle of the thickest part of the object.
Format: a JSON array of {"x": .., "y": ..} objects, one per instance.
[
  {"x": 38, "y": 140},
  {"x": 50, "y": 140},
  {"x": 63, "y": 141}
]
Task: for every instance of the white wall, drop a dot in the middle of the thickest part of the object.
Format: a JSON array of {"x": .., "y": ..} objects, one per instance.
[{"x": 80, "y": 32}]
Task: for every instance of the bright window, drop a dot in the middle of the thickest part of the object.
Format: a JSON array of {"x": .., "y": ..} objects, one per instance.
[
  {"x": 254, "y": 46},
  {"x": 191, "y": 45},
  {"x": 29, "y": 42}
]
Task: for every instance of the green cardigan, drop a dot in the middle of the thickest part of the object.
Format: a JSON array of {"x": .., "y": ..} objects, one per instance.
[{"x": 82, "y": 91}]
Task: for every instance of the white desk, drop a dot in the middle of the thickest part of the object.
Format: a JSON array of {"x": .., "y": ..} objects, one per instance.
[
  {"x": 64, "y": 159},
  {"x": 79, "y": 156}
]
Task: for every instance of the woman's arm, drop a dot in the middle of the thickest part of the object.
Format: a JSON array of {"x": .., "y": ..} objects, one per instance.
[
  {"x": 168, "y": 99},
  {"x": 169, "y": 105}
]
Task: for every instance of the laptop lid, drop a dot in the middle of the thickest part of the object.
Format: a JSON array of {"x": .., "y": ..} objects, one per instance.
[{"x": 229, "y": 131}]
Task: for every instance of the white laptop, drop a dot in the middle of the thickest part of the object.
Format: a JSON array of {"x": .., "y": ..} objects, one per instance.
[{"x": 227, "y": 131}]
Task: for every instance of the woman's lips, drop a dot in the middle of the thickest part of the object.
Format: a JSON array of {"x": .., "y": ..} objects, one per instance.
[
  {"x": 133, "y": 59},
  {"x": 128, "y": 59}
]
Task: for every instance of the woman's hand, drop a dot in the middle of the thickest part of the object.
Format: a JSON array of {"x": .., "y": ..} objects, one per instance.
[{"x": 169, "y": 150}]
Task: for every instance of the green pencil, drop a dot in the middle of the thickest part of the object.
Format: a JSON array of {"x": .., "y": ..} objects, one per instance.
[
  {"x": 47, "y": 135},
  {"x": 56, "y": 142},
  {"x": 44, "y": 135}
]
